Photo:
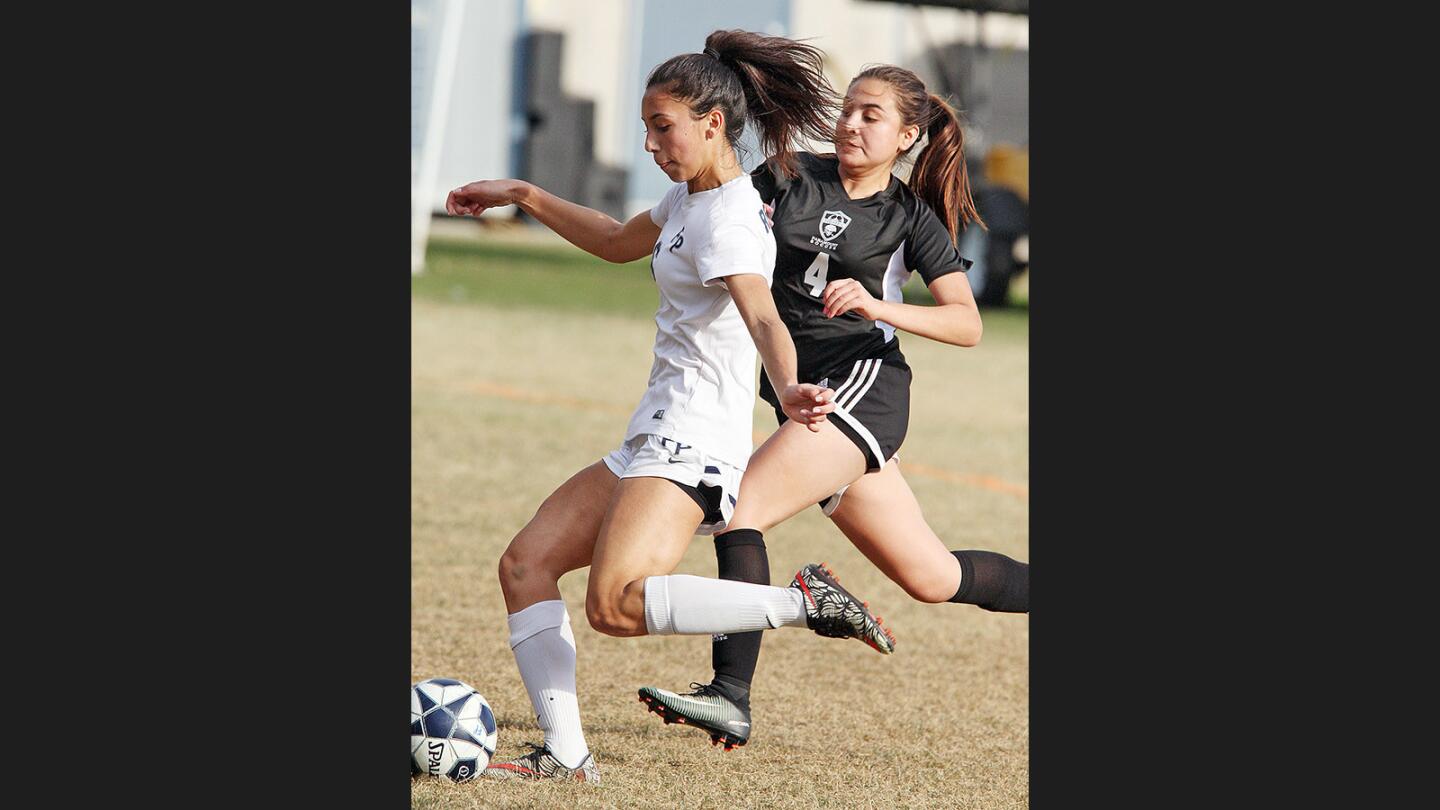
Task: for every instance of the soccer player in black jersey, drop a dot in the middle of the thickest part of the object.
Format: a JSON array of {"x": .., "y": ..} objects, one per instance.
[{"x": 848, "y": 233}]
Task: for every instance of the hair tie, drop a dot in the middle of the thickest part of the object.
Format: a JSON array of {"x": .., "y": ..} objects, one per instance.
[{"x": 712, "y": 52}]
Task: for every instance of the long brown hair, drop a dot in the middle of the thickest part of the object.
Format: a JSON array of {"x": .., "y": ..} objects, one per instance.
[
  {"x": 939, "y": 176},
  {"x": 776, "y": 82}
]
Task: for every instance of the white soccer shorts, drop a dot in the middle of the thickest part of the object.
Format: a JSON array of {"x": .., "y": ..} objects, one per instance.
[{"x": 661, "y": 457}]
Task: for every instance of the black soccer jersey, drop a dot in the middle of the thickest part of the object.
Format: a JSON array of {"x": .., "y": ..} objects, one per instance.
[{"x": 822, "y": 235}]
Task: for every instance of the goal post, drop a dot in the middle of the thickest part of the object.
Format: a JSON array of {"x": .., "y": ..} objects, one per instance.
[{"x": 422, "y": 186}]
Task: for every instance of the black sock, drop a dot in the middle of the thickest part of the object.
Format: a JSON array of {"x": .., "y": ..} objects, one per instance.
[
  {"x": 993, "y": 581},
  {"x": 742, "y": 558}
]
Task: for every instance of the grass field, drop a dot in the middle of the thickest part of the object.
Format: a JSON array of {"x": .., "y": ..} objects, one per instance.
[{"x": 526, "y": 363}]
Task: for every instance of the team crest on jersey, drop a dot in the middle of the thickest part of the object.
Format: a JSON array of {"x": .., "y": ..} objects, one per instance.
[{"x": 832, "y": 224}]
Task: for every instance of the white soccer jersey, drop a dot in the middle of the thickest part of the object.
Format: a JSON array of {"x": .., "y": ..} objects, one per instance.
[{"x": 702, "y": 383}]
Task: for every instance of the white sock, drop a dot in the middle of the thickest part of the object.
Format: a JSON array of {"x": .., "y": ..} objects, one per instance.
[
  {"x": 544, "y": 647},
  {"x": 686, "y": 605}
]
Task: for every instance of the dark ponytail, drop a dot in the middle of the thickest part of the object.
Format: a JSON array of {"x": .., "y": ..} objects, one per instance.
[
  {"x": 776, "y": 82},
  {"x": 939, "y": 176}
]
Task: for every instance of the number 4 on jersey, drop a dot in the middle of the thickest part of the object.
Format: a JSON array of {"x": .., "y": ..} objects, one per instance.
[{"x": 817, "y": 271}]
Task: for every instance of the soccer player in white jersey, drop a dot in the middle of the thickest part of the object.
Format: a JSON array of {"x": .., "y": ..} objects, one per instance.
[{"x": 677, "y": 470}]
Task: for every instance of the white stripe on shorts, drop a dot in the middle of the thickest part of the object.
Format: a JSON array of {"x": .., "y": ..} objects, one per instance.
[
  {"x": 854, "y": 375},
  {"x": 864, "y": 432},
  {"x": 851, "y": 399}
]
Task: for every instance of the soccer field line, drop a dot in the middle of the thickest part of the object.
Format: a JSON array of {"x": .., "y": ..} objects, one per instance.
[
  {"x": 513, "y": 394},
  {"x": 989, "y": 482}
]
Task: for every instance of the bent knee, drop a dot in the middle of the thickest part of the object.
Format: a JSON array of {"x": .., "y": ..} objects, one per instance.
[
  {"x": 605, "y": 616},
  {"x": 518, "y": 567},
  {"x": 512, "y": 568},
  {"x": 928, "y": 589}
]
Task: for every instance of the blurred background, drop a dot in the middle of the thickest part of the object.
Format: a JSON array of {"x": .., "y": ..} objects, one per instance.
[{"x": 549, "y": 91}]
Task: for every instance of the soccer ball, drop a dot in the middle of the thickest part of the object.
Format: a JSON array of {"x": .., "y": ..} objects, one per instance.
[{"x": 452, "y": 730}]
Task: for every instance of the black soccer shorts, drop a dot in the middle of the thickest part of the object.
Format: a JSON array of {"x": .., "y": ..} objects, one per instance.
[{"x": 872, "y": 399}]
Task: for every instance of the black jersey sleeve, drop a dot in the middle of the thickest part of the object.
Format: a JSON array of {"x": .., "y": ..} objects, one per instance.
[
  {"x": 768, "y": 182},
  {"x": 929, "y": 250}
]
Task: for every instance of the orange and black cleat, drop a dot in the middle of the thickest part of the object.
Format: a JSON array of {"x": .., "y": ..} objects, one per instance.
[{"x": 834, "y": 612}]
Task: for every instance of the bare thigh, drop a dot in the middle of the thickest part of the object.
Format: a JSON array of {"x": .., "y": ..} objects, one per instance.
[
  {"x": 794, "y": 468},
  {"x": 880, "y": 516},
  {"x": 559, "y": 538},
  {"x": 647, "y": 528}
]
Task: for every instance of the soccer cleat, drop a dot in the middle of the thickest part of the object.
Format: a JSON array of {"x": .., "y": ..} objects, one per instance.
[
  {"x": 832, "y": 611},
  {"x": 706, "y": 708},
  {"x": 541, "y": 764}
]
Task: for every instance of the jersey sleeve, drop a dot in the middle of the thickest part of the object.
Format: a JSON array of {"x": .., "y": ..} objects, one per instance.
[
  {"x": 765, "y": 182},
  {"x": 734, "y": 250},
  {"x": 661, "y": 212},
  {"x": 929, "y": 250}
]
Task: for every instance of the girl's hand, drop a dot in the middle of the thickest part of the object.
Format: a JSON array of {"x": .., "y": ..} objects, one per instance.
[
  {"x": 473, "y": 198},
  {"x": 847, "y": 295},
  {"x": 807, "y": 404}
]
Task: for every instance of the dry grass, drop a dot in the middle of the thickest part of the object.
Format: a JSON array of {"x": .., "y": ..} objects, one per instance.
[{"x": 507, "y": 402}]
